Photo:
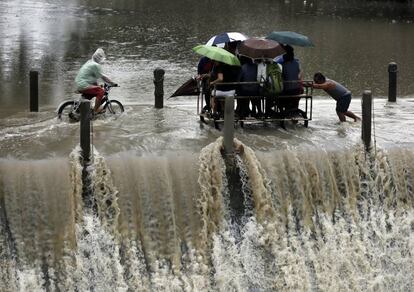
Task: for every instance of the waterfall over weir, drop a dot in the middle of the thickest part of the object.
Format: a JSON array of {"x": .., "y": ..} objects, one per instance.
[{"x": 312, "y": 221}]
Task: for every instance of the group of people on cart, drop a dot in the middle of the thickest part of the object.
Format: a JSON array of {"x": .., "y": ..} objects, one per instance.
[
  {"x": 251, "y": 76},
  {"x": 248, "y": 83}
]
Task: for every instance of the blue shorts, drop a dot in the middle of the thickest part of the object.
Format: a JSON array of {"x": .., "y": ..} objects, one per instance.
[{"x": 342, "y": 104}]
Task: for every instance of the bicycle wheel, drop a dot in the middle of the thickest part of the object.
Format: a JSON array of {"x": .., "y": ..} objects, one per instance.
[
  {"x": 65, "y": 111},
  {"x": 114, "y": 107}
]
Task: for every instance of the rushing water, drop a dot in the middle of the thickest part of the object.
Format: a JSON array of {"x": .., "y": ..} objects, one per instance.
[
  {"x": 306, "y": 209},
  {"x": 314, "y": 220}
]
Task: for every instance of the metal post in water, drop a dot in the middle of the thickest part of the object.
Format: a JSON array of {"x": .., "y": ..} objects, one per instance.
[
  {"x": 366, "y": 118},
  {"x": 159, "y": 87},
  {"x": 85, "y": 142},
  {"x": 228, "y": 131},
  {"x": 85, "y": 130},
  {"x": 392, "y": 81},
  {"x": 34, "y": 91}
]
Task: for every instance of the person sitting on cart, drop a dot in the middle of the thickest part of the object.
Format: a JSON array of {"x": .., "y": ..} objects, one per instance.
[
  {"x": 204, "y": 69},
  {"x": 88, "y": 76},
  {"x": 292, "y": 80},
  {"x": 225, "y": 73},
  {"x": 338, "y": 92},
  {"x": 248, "y": 73}
]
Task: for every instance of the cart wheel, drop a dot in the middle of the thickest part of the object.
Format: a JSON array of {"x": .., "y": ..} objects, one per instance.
[{"x": 306, "y": 122}]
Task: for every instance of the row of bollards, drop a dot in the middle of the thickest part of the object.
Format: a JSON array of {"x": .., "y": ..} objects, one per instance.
[
  {"x": 85, "y": 129},
  {"x": 159, "y": 87},
  {"x": 367, "y": 104},
  {"x": 85, "y": 111},
  {"x": 228, "y": 131},
  {"x": 34, "y": 89},
  {"x": 229, "y": 109}
]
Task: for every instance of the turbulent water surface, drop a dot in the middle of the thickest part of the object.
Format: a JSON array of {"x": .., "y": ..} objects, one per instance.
[{"x": 158, "y": 208}]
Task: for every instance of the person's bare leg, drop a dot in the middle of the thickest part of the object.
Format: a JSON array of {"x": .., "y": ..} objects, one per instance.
[
  {"x": 98, "y": 100},
  {"x": 96, "y": 108},
  {"x": 213, "y": 104},
  {"x": 352, "y": 115},
  {"x": 341, "y": 116}
]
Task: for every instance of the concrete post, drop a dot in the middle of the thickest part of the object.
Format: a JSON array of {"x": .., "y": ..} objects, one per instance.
[
  {"x": 34, "y": 91},
  {"x": 85, "y": 130},
  {"x": 392, "y": 82},
  {"x": 228, "y": 131},
  {"x": 232, "y": 171},
  {"x": 159, "y": 87},
  {"x": 366, "y": 118}
]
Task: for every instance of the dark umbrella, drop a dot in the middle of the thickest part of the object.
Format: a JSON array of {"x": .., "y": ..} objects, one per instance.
[
  {"x": 290, "y": 38},
  {"x": 189, "y": 87},
  {"x": 257, "y": 48}
]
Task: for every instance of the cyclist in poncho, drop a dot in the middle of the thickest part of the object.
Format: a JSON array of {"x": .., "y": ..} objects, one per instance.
[{"x": 88, "y": 76}]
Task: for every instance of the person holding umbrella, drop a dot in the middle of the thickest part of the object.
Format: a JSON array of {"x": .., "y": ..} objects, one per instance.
[
  {"x": 204, "y": 69},
  {"x": 227, "y": 67},
  {"x": 248, "y": 73},
  {"x": 338, "y": 92},
  {"x": 291, "y": 66},
  {"x": 224, "y": 73}
]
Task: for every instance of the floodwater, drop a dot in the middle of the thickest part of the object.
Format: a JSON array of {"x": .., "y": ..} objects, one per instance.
[
  {"x": 319, "y": 214},
  {"x": 354, "y": 42}
]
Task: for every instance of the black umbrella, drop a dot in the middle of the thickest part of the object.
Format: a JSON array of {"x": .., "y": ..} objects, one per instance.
[{"x": 190, "y": 87}]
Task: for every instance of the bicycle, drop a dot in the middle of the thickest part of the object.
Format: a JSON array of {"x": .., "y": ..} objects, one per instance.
[{"x": 71, "y": 108}]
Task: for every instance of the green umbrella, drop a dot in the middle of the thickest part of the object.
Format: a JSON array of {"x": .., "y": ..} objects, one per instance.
[
  {"x": 290, "y": 38},
  {"x": 217, "y": 54}
]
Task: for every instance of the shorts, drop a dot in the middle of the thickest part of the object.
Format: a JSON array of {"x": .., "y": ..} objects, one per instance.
[
  {"x": 219, "y": 93},
  {"x": 90, "y": 93},
  {"x": 343, "y": 103}
]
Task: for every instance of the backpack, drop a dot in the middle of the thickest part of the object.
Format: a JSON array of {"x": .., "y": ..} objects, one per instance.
[{"x": 273, "y": 84}]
